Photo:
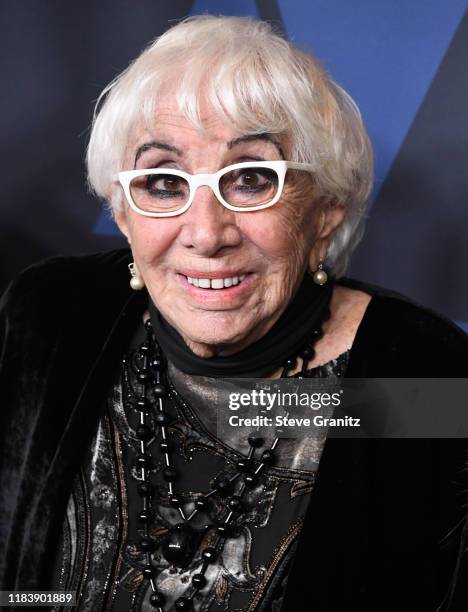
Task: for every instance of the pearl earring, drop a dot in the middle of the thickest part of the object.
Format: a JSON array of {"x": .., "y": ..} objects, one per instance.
[
  {"x": 320, "y": 277},
  {"x": 136, "y": 281}
]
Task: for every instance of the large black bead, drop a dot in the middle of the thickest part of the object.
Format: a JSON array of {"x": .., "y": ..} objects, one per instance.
[
  {"x": 146, "y": 545},
  {"x": 145, "y": 489},
  {"x": 224, "y": 487},
  {"x": 169, "y": 474},
  {"x": 209, "y": 554},
  {"x": 255, "y": 440},
  {"x": 156, "y": 363},
  {"x": 148, "y": 325},
  {"x": 149, "y": 571},
  {"x": 157, "y": 599},
  {"x": 161, "y": 419},
  {"x": 235, "y": 504},
  {"x": 143, "y": 432},
  {"x": 268, "y": 457},
  {"x": 243, "y": 465},
  {"x": 290, "y": 363},
  {"x": 307, "y": 352},
  {"x": 180, "y": 545},
  {"x": 198, "y": 581},
  {"x": 159, "y": 390},
  {"x": 183, "y": 603}
]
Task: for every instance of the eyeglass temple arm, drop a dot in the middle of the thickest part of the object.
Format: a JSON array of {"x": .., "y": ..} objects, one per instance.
[{"x": 301, "y": 166}]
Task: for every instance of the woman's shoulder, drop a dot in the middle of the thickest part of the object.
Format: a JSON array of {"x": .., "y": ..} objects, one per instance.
[
  {"x": 72, "y": 268},
  {"x": 56, "y": 276},
  {"x": 68, "y": 309},
  {"x": 64, "y": 291},
  {"x": 398, "y": 337}
]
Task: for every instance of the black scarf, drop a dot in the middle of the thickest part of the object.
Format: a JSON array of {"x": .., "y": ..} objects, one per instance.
[{"x": 305, "y": 313}]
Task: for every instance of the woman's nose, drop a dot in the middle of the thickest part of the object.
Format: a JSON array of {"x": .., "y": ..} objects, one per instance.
[{"x": 208, "y": 226}]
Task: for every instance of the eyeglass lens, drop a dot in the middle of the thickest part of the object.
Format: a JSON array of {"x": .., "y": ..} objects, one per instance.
[{"x": 164, "y": 193}]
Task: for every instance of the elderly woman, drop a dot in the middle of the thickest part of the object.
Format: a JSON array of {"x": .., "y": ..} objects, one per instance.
[{"x": 239, "y": 172}]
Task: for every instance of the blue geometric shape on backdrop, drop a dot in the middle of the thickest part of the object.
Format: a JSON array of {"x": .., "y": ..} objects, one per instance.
[
  {"x": 384, "y": 53},
  {"x": 105, "y": 226}
]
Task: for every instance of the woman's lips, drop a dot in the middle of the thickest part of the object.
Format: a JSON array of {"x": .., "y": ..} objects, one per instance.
[
  {"x": 216, "y": 283},
  {"x": 209, "y": 289}
]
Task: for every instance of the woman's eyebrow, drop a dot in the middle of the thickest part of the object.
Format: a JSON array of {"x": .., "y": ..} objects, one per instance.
[
  {"x": 249, "y": 137},
  {"x": 155, "y": 144}
]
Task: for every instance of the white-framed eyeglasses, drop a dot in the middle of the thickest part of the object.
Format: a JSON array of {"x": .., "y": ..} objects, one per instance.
[{"x": 244, "y": 187}]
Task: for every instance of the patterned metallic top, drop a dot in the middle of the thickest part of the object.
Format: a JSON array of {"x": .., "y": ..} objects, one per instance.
[{"x": 99, "y": 557}]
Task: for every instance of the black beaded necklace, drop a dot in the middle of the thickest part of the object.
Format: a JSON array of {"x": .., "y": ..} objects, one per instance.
[{"x": 148, "y": 365}]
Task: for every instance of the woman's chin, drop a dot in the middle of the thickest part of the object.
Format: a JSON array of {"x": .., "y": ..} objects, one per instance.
[
  {"x": 217, "y": 343},
  {"x": 211, "y": 347}
]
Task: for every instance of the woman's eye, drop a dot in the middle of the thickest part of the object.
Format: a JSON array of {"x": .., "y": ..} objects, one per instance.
[
  {"x": 252, "y": 180},
  {"x": 164, "y": 183}
]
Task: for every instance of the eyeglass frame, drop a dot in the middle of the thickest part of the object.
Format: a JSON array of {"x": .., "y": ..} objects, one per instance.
[{"x": 210, "y": 180}]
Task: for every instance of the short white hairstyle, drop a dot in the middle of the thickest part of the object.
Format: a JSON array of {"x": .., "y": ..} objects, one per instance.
[{"x": 259, "y": 82}]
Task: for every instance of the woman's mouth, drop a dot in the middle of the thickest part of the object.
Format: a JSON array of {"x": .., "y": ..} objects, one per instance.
[
  {"x": 215, "y": 283},
  {"x": 228, "y": 290}
]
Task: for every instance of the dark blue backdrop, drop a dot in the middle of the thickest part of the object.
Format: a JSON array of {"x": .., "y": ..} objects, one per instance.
[{"x": 405, "y": 63}]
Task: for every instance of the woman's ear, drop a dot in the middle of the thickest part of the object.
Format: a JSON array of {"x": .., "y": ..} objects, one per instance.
[
  {"x": 119, "y": 211},
  {"x": 121, "y": 220},
  {"x": 330, "y": 218}
]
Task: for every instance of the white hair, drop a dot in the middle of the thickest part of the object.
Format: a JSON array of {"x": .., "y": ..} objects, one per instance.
[{"x": 257, "y": 81}]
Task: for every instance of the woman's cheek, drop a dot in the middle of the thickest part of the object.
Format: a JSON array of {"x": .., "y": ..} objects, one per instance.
[
  {"x": 293, "y": 229},
  {"x": 152, "y": 239},
  {"x": 274, "y": 232},
  {"x": 265, "y": 236}
]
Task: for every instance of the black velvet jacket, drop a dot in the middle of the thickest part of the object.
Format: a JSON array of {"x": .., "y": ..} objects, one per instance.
[{"x": 380, "y": 507}]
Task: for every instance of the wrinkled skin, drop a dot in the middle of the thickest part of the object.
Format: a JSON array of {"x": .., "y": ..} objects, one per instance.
[{"x": 274, "y": 246}]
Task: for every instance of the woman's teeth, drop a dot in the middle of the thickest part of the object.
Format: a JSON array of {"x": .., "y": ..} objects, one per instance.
[{"x": 215, "y": 283}]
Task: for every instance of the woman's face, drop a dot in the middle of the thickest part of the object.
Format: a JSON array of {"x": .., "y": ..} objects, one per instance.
[{"x": 268, "y": 249}]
